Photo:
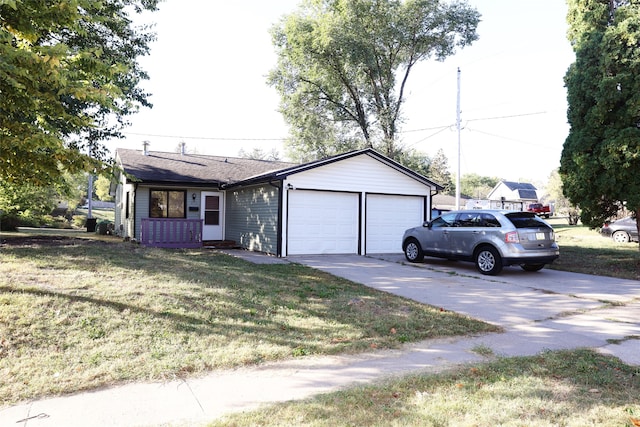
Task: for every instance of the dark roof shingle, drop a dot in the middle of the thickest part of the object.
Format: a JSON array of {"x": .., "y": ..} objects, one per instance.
[{"x": 160, "y": 167}]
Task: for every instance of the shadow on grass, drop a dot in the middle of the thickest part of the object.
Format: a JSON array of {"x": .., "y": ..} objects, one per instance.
[{"x": 204, "y": 288}]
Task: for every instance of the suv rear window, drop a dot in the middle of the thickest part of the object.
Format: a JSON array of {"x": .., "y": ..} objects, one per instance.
[{"x": 525, "y": 220}]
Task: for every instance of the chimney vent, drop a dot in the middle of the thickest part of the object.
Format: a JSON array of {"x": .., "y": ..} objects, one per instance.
[
  {"x": 183, "y": 149},
  {"x": 145, "y": 148}
]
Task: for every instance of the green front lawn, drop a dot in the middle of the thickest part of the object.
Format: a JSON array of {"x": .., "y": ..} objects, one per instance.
[
  {"x": 586, "y": 251},
  {"x": 79, "y": 311},
  {"x": 567, "y": 388}
]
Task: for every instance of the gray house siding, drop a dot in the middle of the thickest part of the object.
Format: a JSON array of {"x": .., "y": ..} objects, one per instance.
[
  {"x": 252, "y": 217},
  {"x": 142, "y": 208}
]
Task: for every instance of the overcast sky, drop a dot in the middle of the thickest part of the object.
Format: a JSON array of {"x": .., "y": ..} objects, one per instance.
[{"x": 209, "y": 64}]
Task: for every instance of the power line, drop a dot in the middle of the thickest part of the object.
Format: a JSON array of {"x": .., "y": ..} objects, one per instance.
[
  {"x": 442, "y": 129},
  {"x": 512, "y": 139},
  {"x": 507, "y": 117},
  {"x": 203, "y": 137},
  {"x": 438, "y": 128},
  {"x": 424, "y": 129},
  {"x": 476, "y": 120}
]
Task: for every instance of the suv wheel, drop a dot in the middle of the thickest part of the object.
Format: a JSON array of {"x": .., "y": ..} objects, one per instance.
[
  {"x": 488, "y": 261},
  {"x": 413, "y": 251}
]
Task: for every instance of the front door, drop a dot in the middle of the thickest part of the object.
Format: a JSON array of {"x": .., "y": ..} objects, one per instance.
[{"x": 212, "y": 214}]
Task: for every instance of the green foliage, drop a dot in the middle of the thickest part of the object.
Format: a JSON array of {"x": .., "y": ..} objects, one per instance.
[
  {"x": 79, "y": 221},
  {"x": 105, "y": 227},
  {"x": 439, "y": 172},
  {"x": 68, "y": 79},
  {"x": 25, "y": 204},
  {"x": 259, "y": 154},
  {"x": 555, "y": 195},
  {"x": 601, "y": 155},
  {"x": 476, "y": 186},
  {"x": 343, "y": 66},
  {"x": 416, "y": 161},
  {"x": 435, "y": 168},
  {"x": 101, "y": 186}
]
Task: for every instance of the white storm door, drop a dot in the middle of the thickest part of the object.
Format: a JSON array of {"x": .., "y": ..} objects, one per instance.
[{"x": 212, "y": 214}]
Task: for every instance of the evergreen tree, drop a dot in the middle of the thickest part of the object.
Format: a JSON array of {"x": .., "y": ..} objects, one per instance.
[
  {"x": 439, "y": 172},
  {"x": 601, "y": 155}
]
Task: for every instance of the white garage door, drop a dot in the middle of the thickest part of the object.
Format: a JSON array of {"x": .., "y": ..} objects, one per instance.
[
  {"x": 387, "y": 219},
  {"x": 322, "y": 222}
]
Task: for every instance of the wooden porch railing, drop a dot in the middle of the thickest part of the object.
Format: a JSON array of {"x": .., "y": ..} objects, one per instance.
[{"x": 171, "y": 232}]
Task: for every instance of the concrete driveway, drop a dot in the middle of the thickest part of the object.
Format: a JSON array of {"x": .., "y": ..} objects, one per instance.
[{"x": 541, "y": 310}]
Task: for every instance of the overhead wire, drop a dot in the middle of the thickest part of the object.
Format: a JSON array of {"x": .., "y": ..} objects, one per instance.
[
  {"x": 211, "y": 138},
  {"x": 439, "y": 129},
  {"x": 511, "y": 139}
]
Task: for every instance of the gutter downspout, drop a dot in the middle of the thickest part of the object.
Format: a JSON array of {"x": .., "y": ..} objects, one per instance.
[
  {"x": 135, "y": 203},
  {"x": 280, "y": 215},
  {"x": 430, "y": 208}
]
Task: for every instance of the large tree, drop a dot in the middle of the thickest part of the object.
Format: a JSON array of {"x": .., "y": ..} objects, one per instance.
[
  {"x": 476, "y": 186},
  {"x": 601, "y": 155},
  {"x": 68, "y": 79},
  {"x": 343, "y": 66},
  {"x": 439, "y": 172}
]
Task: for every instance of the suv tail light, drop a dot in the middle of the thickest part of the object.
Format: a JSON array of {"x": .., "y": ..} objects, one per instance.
[{"x": 512, "y": 237}]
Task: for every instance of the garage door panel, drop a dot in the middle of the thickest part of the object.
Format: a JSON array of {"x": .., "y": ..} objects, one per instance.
[
  {"x": 322, "y": 222},
  {"x": 387, "y": 218}
]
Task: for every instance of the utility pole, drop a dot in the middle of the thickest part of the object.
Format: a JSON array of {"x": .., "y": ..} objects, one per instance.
[
  {"x": 458, "y": 128},
  {"x": 90, "y": 197}
]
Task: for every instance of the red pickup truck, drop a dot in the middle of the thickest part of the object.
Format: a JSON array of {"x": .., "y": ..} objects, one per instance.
[{"x": 539, "y": 209}]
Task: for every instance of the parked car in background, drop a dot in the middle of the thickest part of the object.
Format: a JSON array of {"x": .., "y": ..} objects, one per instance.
[
  {"x": 623, "y": 230},
  {"x": 489, "y": 238},
  {"x": 539, "y": 209}
]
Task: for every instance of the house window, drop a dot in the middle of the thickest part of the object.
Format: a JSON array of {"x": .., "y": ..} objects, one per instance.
[
  {"x": 167, "y": 204},
  {"x": 126, "y": 205}
]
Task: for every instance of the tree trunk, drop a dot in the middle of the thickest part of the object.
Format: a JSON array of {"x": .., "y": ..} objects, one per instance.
[{"x": 637, "y": 215}]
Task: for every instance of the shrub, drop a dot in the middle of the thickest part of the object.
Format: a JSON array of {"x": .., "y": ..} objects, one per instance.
[
  {"x": 79, "y": 221},
  {"x": 105, "y": 227}
]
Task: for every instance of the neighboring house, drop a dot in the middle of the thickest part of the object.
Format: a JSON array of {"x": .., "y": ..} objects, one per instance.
[
  {"x": 354, "y": 203},
  {"x": 445, "y": 203},
  {"x": 513, "y": 195}
]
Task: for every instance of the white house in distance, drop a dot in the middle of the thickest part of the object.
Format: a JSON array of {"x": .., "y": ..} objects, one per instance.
[
  {"x": 353, "y": 203},
  {"x": 509, "y": 195}
]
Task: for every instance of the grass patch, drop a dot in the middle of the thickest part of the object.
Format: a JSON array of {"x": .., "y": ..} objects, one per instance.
[
  {"x": 586, "y": 251},
  {"x": 83, "y": 311},
  {"x": 99, "y": 213},
  {"x": 483, "y": 350},
  {"x": 569, "y": 388}
]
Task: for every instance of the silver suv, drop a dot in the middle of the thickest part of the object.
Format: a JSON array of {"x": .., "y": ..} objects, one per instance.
[{"x": 489, "y": 238}]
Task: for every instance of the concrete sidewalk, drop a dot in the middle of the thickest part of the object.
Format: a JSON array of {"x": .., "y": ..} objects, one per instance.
[{"x": 547, "y": 310}]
